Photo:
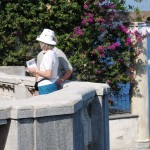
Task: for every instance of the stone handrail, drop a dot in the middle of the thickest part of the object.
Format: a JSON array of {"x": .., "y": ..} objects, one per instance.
[{"x": 73, "y": 118}]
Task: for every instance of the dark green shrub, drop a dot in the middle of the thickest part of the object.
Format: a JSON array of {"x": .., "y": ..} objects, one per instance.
[{"x": 22, "y": 20}]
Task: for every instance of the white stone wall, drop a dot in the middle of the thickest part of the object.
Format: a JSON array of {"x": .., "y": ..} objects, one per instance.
[
  {"x": 15, "y": 87},
  {"x": 123, "y": 132},
  {"x": 61, "y": 120}
]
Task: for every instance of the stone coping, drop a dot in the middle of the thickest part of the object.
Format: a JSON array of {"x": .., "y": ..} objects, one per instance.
[
  {"x": 122, "y": 116},
  {"x": 16, "y": 79},
  {"x": 68, "y": 100},
  {"x": 3, "y": 122}
]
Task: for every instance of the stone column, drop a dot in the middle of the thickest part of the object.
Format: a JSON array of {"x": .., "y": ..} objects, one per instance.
[
  {"x": 21, "y": 91},
  {"x": 140, "y": 96}
]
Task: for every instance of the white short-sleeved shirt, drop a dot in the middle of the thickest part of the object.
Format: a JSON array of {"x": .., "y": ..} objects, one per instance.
[
  {"x": 64, "y": 63},
  {"x": 49, "y": 62}
]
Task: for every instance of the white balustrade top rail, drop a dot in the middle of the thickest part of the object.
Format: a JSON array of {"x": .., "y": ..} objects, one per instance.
[{"x": 68, "y": 100}]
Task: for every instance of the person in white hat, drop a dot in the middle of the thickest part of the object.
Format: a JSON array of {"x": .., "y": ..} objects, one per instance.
[
  {"x": 65, "y": 69},
  {"x": 47, "y": 73}
]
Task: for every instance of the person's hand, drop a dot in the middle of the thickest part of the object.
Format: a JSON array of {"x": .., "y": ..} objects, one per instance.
[
  {"x": 59, "y": 81},
  {"x": 32, "y": 70}
]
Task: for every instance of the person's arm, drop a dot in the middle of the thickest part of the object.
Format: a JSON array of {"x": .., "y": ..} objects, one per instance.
[
  {"x": 36, "y": 77},
  {"x": 66, "y": 75},
  {"x": 36, "y": 85},
  {"x": 65, "y": 68},
  {"x": 45, "y": 74}
]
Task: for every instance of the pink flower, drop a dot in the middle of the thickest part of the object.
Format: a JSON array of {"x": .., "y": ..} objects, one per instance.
[
  {"x": 111, "y": 47},
  {"x": 120, "y": 60},
  {"x": 15, "y": 33},
  {"x": 78, "y": 31},
  {"x": 73, "y": 35},
  {"x": 138, "y": 36},
  {"x": 108, "y": 6},
  {"x": 108, "y": 82},
  {"x": 98, "y": 72},
  {"x": 86, "y": 6},
  {"x": 128, "y": 41},
  {"x": 100, "y": 49},
  {"x": 114, "y": 46},
  {"x": 88, "y": 18},
  {"x": 124, "y": 29},
  {"x": 99, "y": 20},
  {"x": 131, "y": 69},
  {"x": 83, "y": 22},
  {"x": 92, "y": 62},
  {"x": 112, "y": 13}
]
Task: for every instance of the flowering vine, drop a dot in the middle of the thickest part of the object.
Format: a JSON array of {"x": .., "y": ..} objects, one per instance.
[{"x": 104, "y": 49}]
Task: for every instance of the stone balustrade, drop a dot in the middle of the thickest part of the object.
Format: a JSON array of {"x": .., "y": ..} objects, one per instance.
[
  {"x": 73, "y": 118},
  {"x": 14, "y": 87}
]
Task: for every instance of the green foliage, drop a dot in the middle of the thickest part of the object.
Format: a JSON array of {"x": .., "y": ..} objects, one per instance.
[
  {"x": 22, "y": 20},
  {"x": 138, "y": 17}
]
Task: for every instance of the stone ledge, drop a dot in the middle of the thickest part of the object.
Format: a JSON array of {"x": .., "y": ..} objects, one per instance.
[
  {"x": 3, "y": 122},
  {"x": 122, "y": 116},
  {"x": 101, "y": 88},
  {"x": 16, "y": 79}
]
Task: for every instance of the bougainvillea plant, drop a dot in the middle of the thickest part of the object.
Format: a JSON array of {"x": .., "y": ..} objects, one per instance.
[{"x": 104, "y": 50}]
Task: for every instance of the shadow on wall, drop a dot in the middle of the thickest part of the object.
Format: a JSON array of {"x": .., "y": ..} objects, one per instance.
[
  {"x": 4, "y": 134},
  {"x": 140, "y": 67}
]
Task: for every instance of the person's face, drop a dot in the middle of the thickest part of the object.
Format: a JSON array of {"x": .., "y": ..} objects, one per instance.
[{"x": 42, "y": 45}]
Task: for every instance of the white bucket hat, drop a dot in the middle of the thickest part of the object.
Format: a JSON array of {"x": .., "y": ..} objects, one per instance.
[{"x": 48, "y": 37}]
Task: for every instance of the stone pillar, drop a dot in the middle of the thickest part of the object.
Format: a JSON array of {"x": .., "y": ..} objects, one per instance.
[
  {"x": 100, "y": 124},
  {"x": 140, "y": 96},
  {"x": 22, "y": 92}
]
